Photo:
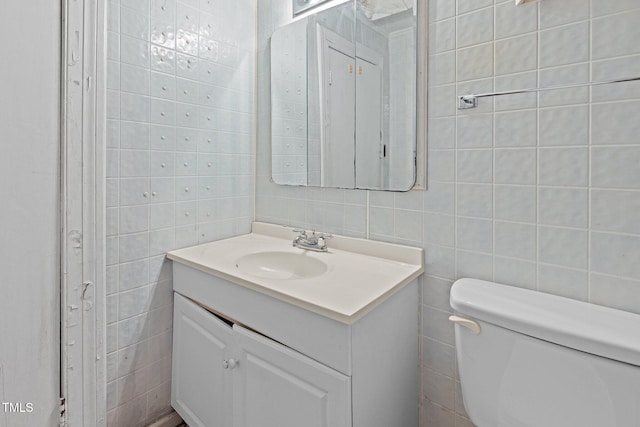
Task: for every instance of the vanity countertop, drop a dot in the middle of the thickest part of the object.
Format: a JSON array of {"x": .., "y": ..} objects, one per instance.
[{"x": 355, "y": 275}]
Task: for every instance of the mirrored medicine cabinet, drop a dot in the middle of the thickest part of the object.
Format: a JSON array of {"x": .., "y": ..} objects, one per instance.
[{"x": 343, "y": 97}]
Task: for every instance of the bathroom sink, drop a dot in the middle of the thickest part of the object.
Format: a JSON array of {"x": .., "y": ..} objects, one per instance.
[
  {"x": 281, "y": 265},
  {"x": 343, "y": 283}
]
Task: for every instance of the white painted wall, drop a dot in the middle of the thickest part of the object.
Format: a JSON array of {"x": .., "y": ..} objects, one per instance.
[{"x": 29, "y": 190}]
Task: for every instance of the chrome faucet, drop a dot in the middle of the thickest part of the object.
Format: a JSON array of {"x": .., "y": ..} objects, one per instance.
[{"x": 316, "y": 242}]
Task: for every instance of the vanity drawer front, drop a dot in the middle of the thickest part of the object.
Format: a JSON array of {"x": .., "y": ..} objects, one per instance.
[{"x": 328, "y": 343}]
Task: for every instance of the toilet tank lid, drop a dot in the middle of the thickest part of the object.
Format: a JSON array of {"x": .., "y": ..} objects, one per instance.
[{"x": 591, "y": 328}]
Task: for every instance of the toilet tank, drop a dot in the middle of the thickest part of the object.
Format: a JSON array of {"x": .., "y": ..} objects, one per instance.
[{"x": 540, "y": 360}]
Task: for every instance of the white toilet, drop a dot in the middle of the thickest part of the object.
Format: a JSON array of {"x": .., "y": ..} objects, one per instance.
[{"x": 532, "y": 359}]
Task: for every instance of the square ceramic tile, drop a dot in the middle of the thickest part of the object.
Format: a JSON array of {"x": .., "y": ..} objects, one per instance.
[
  {"x": 475, "y": 131},
  {"x": 515, "y": 203},
  {"x": 615, "y": 123},
  {"x": 134, "y": 135},
  {"x": 439, "y": 197},
  {"x": 516, "y": 129},
  {"x": 564, "y": 45},
  {"x": 474, "y": 166},
  {"x": 615, "y": 35},
  {"x": 563, "y": 207},
  {"x": 556, "y": 13},
  {"x": 515, "y": 272},
  {"x": 564, "y": 282},
  {"x": 163, "y": 85},
  {"x": 134, "y": 191},
  {"x": 442, "y": 133},
  {"x": 439, "y": 229},
  {"x": 475, "y": 62},
  {"x": 605, "y": 7},
  {"x": 564, "y": 167},
  {"x": 134, "y": 107},
  {"x": 513, "y": 21},
  {"x": 441, "y": 9},
  {"x": 134, "y": 51},
  {"x": 134, "y": 24},
  {"x": 563, "y": 247},
  {"x": 615, "y": 254},
  {"x": 526, "y": 80},
  {"x": 515, "y": 240},
  {"x": 162, "y": 190},
  {"x": 163, "y": 60},
  {"x": 442, "y": 165},
  {"x": 133, "y": 302},
  {"x": 516, "y": 54},
  {"x": 515, "y": 166},
  {"x": 481, "y": 22},
  {"x": 134, "y": 163},
  {"x": 474, "y": 234},
  {"x": 439, "y": 261},
  {"x": 475, "y": 265},
  {"x": 475, "y": 200},
  {"x": 565, "y": 76},
  {"x": 442, "y": 36},
  {"x": 564, "y": 126},
  {"x": 615, "y": 292},
  {"x": 134, "y": 219},
  {"x": 615, "y": 167},
  {"x": 615, "y": 210}
]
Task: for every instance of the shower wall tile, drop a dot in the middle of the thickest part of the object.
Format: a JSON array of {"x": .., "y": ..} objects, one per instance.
[
  {"x": 532, "y": 190},
  {"x": 176, "y": 113}
]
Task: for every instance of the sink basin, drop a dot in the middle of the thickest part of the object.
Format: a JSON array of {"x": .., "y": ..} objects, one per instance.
[
  {"x": 281, "y": 265},
  {"x": 344, "y": 283}
]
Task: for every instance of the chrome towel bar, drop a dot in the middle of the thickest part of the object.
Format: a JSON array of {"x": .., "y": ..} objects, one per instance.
[{"x": 471, "y": 101}]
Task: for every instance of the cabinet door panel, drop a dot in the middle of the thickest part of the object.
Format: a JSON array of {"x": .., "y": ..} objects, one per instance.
[
  {"x": 275, "y": 386},
  {"x": 200, "y": 388}
]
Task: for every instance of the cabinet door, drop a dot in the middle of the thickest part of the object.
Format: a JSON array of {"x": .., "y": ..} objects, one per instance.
[
  {"x": 275, "y": 386},
  {"x": 201, "y": 387}
]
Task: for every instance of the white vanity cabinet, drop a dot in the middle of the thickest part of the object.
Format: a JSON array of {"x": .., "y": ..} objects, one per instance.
[
  {"x": 225, "y": 375},
  {"x": 264, "y": 337},
  {"x": 301, "y": 370},
  {"x": 201, "y": 389}
]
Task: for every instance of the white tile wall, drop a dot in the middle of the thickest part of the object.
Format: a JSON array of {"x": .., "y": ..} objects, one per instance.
[
  {"x": 538, "y": 191},
  {"x": 179, "y": 172}
]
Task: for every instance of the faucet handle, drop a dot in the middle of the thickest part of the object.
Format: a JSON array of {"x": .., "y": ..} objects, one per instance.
[
  {"x": 322, "y": 241},
  {"x": 301, "y": 231}
]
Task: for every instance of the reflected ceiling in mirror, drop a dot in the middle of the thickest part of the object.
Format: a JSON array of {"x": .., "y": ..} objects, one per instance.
[{"x": 343, "y": 97}]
